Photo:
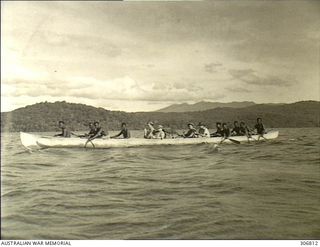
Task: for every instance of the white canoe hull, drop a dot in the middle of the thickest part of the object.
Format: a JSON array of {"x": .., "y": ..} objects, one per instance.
[{"x": 31, "y": 141}]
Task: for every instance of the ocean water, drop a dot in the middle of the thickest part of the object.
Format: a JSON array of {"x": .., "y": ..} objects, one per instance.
[{"x": 266, "y": 190}]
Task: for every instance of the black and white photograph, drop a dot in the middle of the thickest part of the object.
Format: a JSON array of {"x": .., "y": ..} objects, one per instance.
[{"x": 160, "y": 120}]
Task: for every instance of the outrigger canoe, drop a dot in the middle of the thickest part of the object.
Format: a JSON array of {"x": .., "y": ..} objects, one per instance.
[{"x": 31, "y": 141}]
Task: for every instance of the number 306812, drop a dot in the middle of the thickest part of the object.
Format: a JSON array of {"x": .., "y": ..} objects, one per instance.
[{"x": 309, "y": 243}]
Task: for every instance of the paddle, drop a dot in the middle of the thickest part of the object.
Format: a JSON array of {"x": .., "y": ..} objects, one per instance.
[
  {"x": 168, "y": 134},
  {"x": 251, "y": 137},
  {"x": 262, "y": 137},
  {"x": 85, "y": 145},
  {"x": 175, "y": 132},
  {"x": 74, "y": 134},
  {"x": 232, "y": 140},
  {"x": 183, "y": 135},
  {"x": 248, "y": 136},
  {"x": 80, "y": 136}
]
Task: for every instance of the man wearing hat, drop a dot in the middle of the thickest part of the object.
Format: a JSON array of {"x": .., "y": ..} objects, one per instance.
[
  {"x": 203, "y": 131},
  {"x": 160, "y": 134},
  {"x": 149, "y": 131}
]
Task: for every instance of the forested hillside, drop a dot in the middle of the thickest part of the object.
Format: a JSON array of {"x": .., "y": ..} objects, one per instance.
[{"x": 44, "y": 116}]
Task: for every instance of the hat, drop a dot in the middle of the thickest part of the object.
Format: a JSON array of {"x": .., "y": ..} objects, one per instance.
[
  {"x": 150, "y": 123},
  {"x": 160, "y": 126},
  {"x": 190, "y": 124},
  {"x": 201, "y": 124}
]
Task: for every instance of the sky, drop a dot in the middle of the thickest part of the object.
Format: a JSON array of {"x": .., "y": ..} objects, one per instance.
[{"x": 143, "y": 56}]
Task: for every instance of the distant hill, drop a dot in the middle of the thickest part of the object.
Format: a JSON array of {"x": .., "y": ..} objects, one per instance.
[
  {"x": 203, "y": 106},
  {"x": 44, "y": 116}
]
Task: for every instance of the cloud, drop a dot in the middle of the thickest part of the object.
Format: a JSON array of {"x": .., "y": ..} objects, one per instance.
[
  {"x": 267, "y": 81},
  {"x": 212, "y": 67},
  {"x": 238, "y": 90},
  {"x": 123, "y": 88},
  {"x": 50, "y": 42},
  {"x": 250, "y": 77},
  {"x": 240, "y": 73},
  {"x": 13, "y": 70},
  {"x": 182, "y": 52}
]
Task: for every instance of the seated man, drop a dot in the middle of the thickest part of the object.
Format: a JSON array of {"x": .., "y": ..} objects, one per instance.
[
  {"x": 65, "y": 131},
  {"x": 244, "y": 130},
  {"x": 225, "y": 130},
  {"x": 98, "y": 132},
  {"x": 219, "y": 131},
  {"x": 149, "y": 131},
  {"x": 91, "y": 132},
  {"x": 259, "y": 127},
  {"x": 191, "y": 133},
  {"x": 124, "y": 132},
  {"x": 160, "y": 133},
  {"x": 203, "y": 131},
  {"x": 236, "y": 129}
]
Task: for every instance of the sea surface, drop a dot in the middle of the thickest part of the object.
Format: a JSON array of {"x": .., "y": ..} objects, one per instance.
[{"x": 266, "y": 190}]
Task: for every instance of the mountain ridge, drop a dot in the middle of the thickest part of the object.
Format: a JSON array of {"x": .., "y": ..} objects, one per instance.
[
  {"x": 203, "y": 106},
  {"x": 44, "y": 116}
]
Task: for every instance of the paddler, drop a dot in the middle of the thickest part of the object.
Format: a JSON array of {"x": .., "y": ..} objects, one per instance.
[
  {"x": 219, "y": 131},
  {"x": 244, "y": 130},
  {"x": 203, "y": 130},
  {"x": 65, "y": 132},
  {"x": 149, "y": 131},
  {"x": 91, "y": 132},
  {"x": 259, "y": 127},
  {"x": 160, "y": 133},
  {"x": 98, "y": 132},
  {"x": 92, "y": 129},
  {"x": 226, "y": 134},
  {"x": 236, "y": 129},
  {"x": 124, "y": 132},
  {"x": 225, "y": 130},
  {"x": 191, "y": 133}
]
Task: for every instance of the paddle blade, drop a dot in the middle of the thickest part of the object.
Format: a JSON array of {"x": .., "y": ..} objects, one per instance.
[{"x": 234, "y": 141}]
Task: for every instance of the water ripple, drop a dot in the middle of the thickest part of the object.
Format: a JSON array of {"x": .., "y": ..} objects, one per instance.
[{"x": 264, "y": 190}]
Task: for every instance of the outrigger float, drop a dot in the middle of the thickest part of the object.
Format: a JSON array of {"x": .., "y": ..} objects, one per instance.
[{"x": 32, "y": 141}]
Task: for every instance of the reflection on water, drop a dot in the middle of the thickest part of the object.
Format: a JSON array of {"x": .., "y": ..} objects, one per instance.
[{"x": 267, "y": 190}]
